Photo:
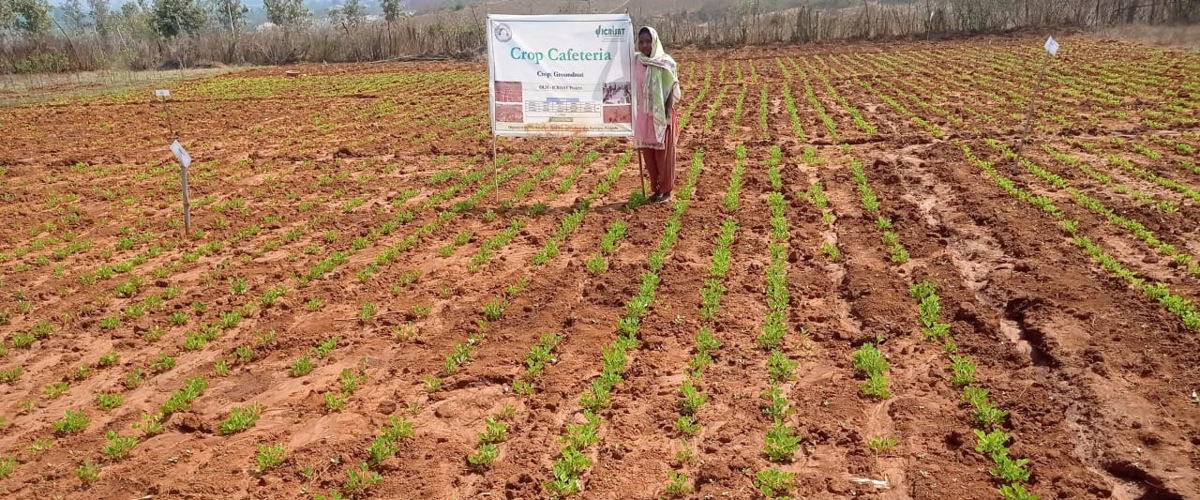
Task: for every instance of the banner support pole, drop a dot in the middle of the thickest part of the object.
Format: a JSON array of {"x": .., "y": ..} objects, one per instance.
[
  {"x": 495, "y": 166},
  {"x": 641, "y": 171}
]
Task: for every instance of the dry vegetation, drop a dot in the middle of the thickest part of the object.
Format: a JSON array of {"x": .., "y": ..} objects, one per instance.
[{"x": 129, "y": 39}]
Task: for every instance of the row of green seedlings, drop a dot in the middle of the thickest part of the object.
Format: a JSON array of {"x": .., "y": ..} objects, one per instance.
[
  {"x": 463, "y": 237},
  {"x": 781, "y": 440},
  {"x": 738, "y": 108},
  {"x": 700, "y": 96},
  {"x": 933, "y": 128},
  {"x": 363, "y": 476},
  {"x": 537, "y": 359},
  {"x": 764, "y": 111},
  {"x": 706, "y": 342},
  {"x": 160, "y": 364},
  {"x": 129, "y": 288},
  {"x": 494, "y": 310},
  {"x": 715, "y": 108},
  {"x": 816, "y": 195},
  {"x": 118, "y": 446},
  {"x": 1183, "y": 258},
  {"x": 495, "y": 431},
  {"x": 869, "y": 358},
  {"x": 870, "y": 202},
  {"x": 732, "y": 197},
  {"x": 1185, "y": 309},
  {"x": 390, "y": 254},
  {"x": 598, "y": 262},
  {"x": 855, "y": 114},
  {"x": 1134, "y": 168},
  {"x": 1180, "y": 147},
  {"x": 572, "y": 462},
  {"x": 995, "y": 115},
  {"x": 789, "y": 102},
  {"x": 991, "y": 440},
  {"x": 830, "y": 125},
  {"x": 1165, "y": 206},
  {"x": 943, "y": 111},
  {"x": 488, "y": 248},
  {"x": 919, "y": 86}
]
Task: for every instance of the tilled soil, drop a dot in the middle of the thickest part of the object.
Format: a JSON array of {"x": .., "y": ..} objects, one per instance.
[{"x": 359, "y": 206}]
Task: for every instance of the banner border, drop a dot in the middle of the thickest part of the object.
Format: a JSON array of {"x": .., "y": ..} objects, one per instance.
[{"x": 491, "y": 21}]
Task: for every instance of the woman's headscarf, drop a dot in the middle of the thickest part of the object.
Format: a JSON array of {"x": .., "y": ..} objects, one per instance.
[{"x": 662, "y": 81}]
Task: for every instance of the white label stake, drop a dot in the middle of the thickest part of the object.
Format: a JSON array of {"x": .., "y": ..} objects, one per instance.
[
  {"x": 1052, "y": 46},
  {"x": 181, "y": 154},
  {"x": 162, "y": 93},
  {"x": 185, "y": 160}
]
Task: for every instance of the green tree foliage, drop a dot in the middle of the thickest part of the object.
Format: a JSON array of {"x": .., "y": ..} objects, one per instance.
[
  {"x": 287, "y": 13},
  {"x": 171, "y": 18},
  {"x": 101, "y": 17},
  {"x": 26, "y": 16},
  {"x": 349, "y": 15},
  {"x": 230, "y": 14},
  {"x": 392, "y": 10},
  {"x": 75, "y": 18}
]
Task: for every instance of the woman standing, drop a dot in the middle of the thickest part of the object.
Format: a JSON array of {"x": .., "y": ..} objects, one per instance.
[{"x": 656, "y": 125}]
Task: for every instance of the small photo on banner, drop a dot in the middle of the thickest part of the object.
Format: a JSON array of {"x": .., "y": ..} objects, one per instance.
[
  {"x": 509, "y": 92},
  {"x": 622, "y": 113},
  {"x": 617, "y": 93},
  {"x": 510, "y": 113}
]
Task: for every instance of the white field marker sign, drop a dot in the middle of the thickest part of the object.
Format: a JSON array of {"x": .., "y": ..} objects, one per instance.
[
  {"x": 181, "y": 154},
  {"x": 1052, "y": 46},
  {"x": 185, "y": 160}
]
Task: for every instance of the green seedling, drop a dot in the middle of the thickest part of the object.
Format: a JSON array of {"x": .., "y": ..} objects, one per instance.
[{"x": 268, "y": 456}]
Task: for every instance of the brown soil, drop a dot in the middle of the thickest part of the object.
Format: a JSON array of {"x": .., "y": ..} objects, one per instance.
[{"x": 371, "y": 162}]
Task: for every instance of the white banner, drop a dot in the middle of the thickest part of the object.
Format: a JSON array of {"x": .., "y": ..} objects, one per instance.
[{"x": 561, "y": 75}]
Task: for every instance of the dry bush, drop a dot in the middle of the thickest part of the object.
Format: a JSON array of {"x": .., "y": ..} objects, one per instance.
[{"x": 710, "y": 23}]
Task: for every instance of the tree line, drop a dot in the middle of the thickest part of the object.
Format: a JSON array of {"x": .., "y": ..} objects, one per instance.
[{"x": 145, "y": 34}]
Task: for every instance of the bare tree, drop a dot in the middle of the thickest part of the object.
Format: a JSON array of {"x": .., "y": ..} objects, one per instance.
[{"x": 231, "y": 14}]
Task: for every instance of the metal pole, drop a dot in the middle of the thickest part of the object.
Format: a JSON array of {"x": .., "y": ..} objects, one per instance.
[
  {"x": 495, "y": 168},
  {"x": 187, "y": 209},
  {"x": 1034, "y": 100},
  {"x": 167, "y": 117},
  {"x": 183, "y": 171},
  {"x": 641, "y": 173}
]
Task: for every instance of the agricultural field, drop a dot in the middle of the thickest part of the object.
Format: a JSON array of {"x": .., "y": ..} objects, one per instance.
[{"x": 865, "y": 286}]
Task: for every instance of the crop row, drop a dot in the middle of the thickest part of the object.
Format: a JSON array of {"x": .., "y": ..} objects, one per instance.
[{"x": 572, "y": 461}]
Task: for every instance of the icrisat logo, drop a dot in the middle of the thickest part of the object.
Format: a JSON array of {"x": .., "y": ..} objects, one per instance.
[{"x": 609, "y": 31}]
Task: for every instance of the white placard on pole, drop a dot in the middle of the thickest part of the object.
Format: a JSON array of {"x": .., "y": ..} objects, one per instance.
[
  {"x": 560, "y": 75},
  {"x": 185, "y": 160},
  {"x": 162, "y": 93},
  {"x": 1052, "y": 46},
  {"x": 181, "y": 154}
]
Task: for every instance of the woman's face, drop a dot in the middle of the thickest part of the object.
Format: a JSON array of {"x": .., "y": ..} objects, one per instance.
[{"x": 645, "y": 43}]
